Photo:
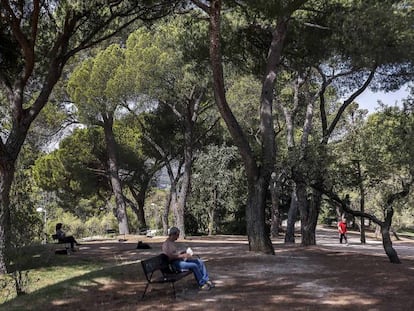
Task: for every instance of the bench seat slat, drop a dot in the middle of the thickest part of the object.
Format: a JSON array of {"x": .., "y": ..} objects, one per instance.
[{"x": 171, "y": 277}]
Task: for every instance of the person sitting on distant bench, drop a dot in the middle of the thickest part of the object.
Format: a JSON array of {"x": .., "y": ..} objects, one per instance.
[{"x": 61, "y": 236}]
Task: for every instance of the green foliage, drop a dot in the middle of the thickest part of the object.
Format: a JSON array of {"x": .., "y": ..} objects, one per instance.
[
  {"x": 162, "y": 54},
  {"x": 388, "y": 148},
  {"x": 243, "y": 96},
  {"x": 76, "y": 168},
  {"x": 383, "y": 147},
  {"x": 217, "y": 187},
  {"x": 26, "y": 223},
  {"x": 98, "y": 86}
]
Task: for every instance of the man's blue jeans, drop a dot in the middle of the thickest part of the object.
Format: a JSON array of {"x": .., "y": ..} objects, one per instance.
[{"x": 197, "y": 266}]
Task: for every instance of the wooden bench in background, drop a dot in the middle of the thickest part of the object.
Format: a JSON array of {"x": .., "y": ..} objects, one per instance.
[
  {"x": 61, "y": 251},
  {"x": 158, "y": 270}
]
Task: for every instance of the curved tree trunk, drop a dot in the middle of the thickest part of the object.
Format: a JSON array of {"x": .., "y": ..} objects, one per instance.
[
  {"x": 257, "y": 177},
  {"x": 139, "y": 211},
  {"x": 189, "y": 118},
  {"x": 387, "y": 244},
  {"x": 113, "y": 172},
  {"x": 386, "y": 226}
]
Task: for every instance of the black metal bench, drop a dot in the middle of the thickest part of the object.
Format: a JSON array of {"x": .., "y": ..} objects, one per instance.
[
  {"x": 158, "y": 270},
  {"x": 66, "y": 245}
]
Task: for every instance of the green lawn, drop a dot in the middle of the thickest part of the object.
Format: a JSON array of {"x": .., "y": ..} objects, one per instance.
[{"x": 47, "y": 276}]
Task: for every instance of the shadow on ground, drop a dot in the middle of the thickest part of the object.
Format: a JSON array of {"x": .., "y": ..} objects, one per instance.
[{"x": 323, "y": 277}]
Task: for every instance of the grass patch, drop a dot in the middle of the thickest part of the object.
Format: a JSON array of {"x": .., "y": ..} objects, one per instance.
[{"x": 54, "y": 277}]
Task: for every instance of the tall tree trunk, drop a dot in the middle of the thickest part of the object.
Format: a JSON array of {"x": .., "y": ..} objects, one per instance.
[
  {"x": 292, "y": 214},
  {"x": 305, "y": 215},
  {"x": 9, "y": 151},
  {"x": 259, "y": 239},
  {"x": 296, "y": 205},
  {"x": 181, "y": 195},
  {"x": 308, "y": 227},
  {"x": 7, "y": 169},
  {"x": 210, "y": 229},
  {"x": 387, "y": 244},
  {"x": 310, "y": 217},
  {"x": 171, "y": 203},
  {"x": 113, "y": 172},
  {"x": 10, "y": 147},
  {"x": 178, "y": 214},
  {"x": 166, "y": 212},
  {"x": 309, "y": 210},
  {"x": 386, "y": 227},
  {"x": 275, "y": 213},
  {"x": 140, "y": 199},
  {"x": 361, "y": 200},
  {"x": 189, "y": 118},
  {"x": 211, "y": 212}
]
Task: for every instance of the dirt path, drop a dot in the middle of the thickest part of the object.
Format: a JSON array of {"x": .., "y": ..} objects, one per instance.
[{"x": 328, "y": 276}]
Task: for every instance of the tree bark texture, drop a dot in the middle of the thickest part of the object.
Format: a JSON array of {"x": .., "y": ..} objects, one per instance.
[
  {"x": 166, "y": 213},
  {"x": 140, "y": 199},
  {"x": 308, "y": 226},
  {"x": 292, "y": 214},
  {"x": 259, "y": 239},
  {"x": 257, "y": 177},
  {"x": 6, "y": 179},
  {"x": 275, "y": 213},
  {"x": 386, "y": 227},
  {"x": 113, "y": 172},
  {"x": 387, "y": 244}
]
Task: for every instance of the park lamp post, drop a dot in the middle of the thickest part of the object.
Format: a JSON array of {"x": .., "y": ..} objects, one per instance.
[{"x": 43, "y": 210}]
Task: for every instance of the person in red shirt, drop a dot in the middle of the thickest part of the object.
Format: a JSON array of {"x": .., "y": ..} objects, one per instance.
[{"x": 342, "y": 231}]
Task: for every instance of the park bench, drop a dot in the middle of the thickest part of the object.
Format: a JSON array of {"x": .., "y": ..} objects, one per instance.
[
  {"x": 64, "y": 251},
  {"x": 158, "y": 270}
]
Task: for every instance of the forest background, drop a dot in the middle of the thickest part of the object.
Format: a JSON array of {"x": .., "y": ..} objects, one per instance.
[{"x": 218, "y": 118}]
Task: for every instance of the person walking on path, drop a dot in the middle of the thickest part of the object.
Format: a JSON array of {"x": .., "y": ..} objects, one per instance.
[{"x": 342, "y": 231}]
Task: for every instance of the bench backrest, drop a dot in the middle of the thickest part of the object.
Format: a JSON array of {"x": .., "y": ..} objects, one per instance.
[
  {"x": 153, "y": 264},
  {"x": 54, "y": 237}
]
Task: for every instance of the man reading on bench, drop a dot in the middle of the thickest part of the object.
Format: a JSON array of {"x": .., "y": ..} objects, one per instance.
[{"x": 185, "y": 261}]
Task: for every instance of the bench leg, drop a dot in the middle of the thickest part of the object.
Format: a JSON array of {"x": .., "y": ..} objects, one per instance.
[
  {"x": 60, "y": 246},
  {"x": 173, "y": 286}
]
